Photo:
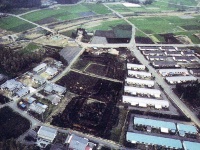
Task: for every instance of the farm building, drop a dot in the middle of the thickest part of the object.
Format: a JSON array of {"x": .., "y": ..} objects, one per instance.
[
  {"x": 143, "y": 91},
  {"x": 173, "y": 53},
  {"x": 133, "y": 81},
  {"x": 153, "y": 140},
  {"x": 195, "y": 72},
  {"x": 168, "y": 72},
  {"x": 157, "y": 58},
  {"x": 191, "y": 145},
  {"x": 135, "y": 66},
  {"x": 52, "y": 88},
  {"x": 149, "y": 48},
  {"x": 164, "y": 126},
  {"x": 183, "y": 129},
  {"x": 40, "y": 68},
  {"x": 77, "y": 143},
  {"x": 139, "y": 74},
  {"x": 47, "y": 133},
  {"x": 162, "y": 64},
  {"x": 144, "y": 102},
  {"x": 180, "y": 79},
  {"x": 153, "y": 53},
  {"x": 11, "y": 85}
]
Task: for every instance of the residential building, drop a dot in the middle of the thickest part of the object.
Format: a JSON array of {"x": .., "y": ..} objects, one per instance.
[
  {"x": 47, "y": 133},
  {"x": 188, "y": 53},
  {"x": 153, "y": 53},
  {"x": 134, "y": 81},
  {"x": 11, "y": 85},
  {"x": 173, "y": 53},
  {"x": 142, "y": 91},
  {"x": 156, "y": 58},
  {"x": 180, "y": 79},
  {"x": 22, "y": 92},
  {"x": 139, "y": 74},
  {"x": 52, "y": 88},
  {"x": 148, "y": 48},
  {"x": 135, "y": 66},
  {"x": 153, "y": 140},
  {"x": 38, "y": 107},
  {"x": 175, "y": 71},
  {"x": 168, "y": 48},
  {"x": 186, "y": 129},
  {"x": 55, "y": 99},
  {"x": 144, "y": 102},
  {"x": 51, "y": 71},
  {"x": 185, "y": 58}
]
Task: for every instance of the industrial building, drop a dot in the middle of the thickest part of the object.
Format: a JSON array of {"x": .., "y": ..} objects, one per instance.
[
  {"x": 156, "y": 58},
  {"x": 153, "y": 53},
  {"x": 47, "y": 133},
  {"x": 133, "y": 81},
  {"x": 180, "y": 79},
  {"x": 139, "y": 74},
  {"x": 144, "y": 102},
  {"x": 40, "y": 68},
  {"x": 143, "y": 91},
  {"x": 191, "y": 145},
  {"x": 163, "y": 126},
  {"x": 163, "y": 64},
  {"x": 135, "y": 66},
  {"x": 148, "y": 48},
  {"x": 175, "y": 71},
  {"x": 195, "y": 72},
  {"x": 153, "y": 140},
  {"x": 186, "y": 129}
]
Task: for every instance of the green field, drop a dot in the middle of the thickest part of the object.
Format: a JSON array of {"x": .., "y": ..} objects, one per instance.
[
  {"x": 14, "y": 24},
  {"x": 30, "y": 48},
  {"x": 106, "y": 25},
  {"x": 66, "y": 12}
]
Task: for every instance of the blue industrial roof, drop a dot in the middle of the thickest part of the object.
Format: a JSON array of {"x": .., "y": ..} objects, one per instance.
[
  {"x": 155, "y": 123},
  {"x": 191, "y": 145},
  {"x": 187, "y": 128},
  {"x": 155, "y": 140}
]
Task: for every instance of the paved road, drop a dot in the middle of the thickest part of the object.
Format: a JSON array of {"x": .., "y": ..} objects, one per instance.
[
  {"x": 96, "y": 76},
  {"x": 175, "y": 45}
]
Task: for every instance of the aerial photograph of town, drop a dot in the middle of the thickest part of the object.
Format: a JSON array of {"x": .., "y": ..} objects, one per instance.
[{"x": 99, "y": 74}]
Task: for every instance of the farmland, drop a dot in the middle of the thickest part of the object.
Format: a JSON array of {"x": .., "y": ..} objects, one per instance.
[
  {"x": 14, "y": 24},
  {"x": 66, "y": 12}
]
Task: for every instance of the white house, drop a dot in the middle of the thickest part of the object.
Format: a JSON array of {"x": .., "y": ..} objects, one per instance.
[
  {"x": 144, "y": 102},
  {"x": 180, "y": 79},
  {"x": 144, "y": 91},
  {"x": 135, "y": 66},
  {"x": 139, "y": 74},
  {"x": 132, "y": 81},
  {"x": 175, "y": 71}
]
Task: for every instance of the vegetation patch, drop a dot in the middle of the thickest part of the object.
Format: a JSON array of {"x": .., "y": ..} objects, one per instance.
[
  {"x": 4, "y": 100},
  {"x": 10, "y": 126}
]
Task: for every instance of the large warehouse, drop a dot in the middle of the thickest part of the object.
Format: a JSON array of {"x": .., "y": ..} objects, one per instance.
[
  {"x": 144, "y": 102},
  {"x": 145, "y": 91}
]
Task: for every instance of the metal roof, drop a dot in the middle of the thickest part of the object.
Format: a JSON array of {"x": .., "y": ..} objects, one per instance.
[
  {"x": 186, "y": 128},
  {"x": 155, "y": 123},
  {"x": 155, "y": 140},
  {"x": 47, "y": 133},
  {"x": 191, "y": 145}
]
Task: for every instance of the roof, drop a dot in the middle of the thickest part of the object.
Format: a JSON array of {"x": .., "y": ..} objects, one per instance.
[
  {"x": 12, "y": 85},
  {"x": 155, "y": 123},
  {"x": 129, "y": 66},
  {"x": 141, "y": 90},
  {"x": 51, "y": 71},
  {"x": 195, "y": 71},
  {"x": 51, "y": 87},
  {"x": 99, "y": 40},
  {"x": 136, "y": 100},
  {"x": 47, "y": 133},
  {"x": 38, "y": 108},
  {"x": 55, "y": 99},
  {"x": 149, "y": 47},
  {"x": 77, "y": 143},
  {"x": 140, "y": 81},
  {"x": 22, "y": 92},
  {"x": 180, "y": 78},
  {"x": 173, "y": 70},
  {"x": 155, "y": 140},
  {"x": 40, "y": 67},
  {"x": 186, "y": 128},
  {"x": 191, "y": 145},
  {"x": 164, "y": 63},
  {"x": 142, "y": 73}
]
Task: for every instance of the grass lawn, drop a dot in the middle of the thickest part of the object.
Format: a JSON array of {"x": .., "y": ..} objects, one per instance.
[
  {"x": 14, "y": 24},
  {"x": 66, "y": 12}
]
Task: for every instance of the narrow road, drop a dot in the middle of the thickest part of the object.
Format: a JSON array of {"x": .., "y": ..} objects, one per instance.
[{"x": 96, "y": 76}]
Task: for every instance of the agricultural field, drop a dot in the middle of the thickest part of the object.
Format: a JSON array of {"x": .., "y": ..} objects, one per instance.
[
  {"x": 63, "y": 13},
  {"x": 14, "y": 24},
  {"x": 31, "y": 47}
]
